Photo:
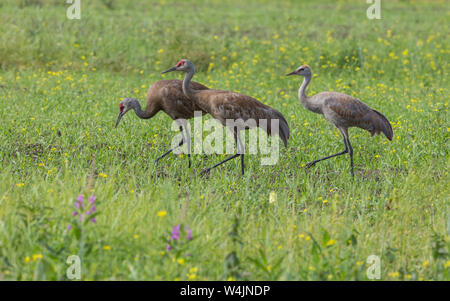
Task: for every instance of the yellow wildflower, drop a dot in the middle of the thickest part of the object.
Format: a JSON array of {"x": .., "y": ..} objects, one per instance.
[
  {"x": 161, "y": 213},
  {"x": 37, "y": 256},
  {"x": 331, "y": 242}
]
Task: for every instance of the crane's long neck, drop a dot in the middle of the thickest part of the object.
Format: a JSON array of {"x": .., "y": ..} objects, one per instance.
[
  {"x": 187, "y": 90},
  {"x": 192, "y": 94},
  {"x": 302, "y": 90},
  {"x": 148, "y": 113},
  {"x": 306, "y": 101}
]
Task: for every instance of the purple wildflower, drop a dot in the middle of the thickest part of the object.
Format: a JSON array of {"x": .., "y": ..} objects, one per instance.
[
  {"x": 176, "y": 236},
  {"x": 83, "y": 211},
  {"x": 91, "y": 210},
  {"x": 80, "y": 201},
  {"x": 92, "y": 199},
  {"x": 176, "y": 232}
]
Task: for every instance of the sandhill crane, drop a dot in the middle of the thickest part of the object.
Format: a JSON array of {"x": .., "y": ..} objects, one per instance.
[
  {"x": 343, "y": 111},
  {"x": 227, "y": 105},
  {"x": 167, "y": 96}
]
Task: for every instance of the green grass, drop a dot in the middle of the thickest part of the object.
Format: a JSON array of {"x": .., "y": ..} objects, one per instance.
[{"x": 60, "y": 84}]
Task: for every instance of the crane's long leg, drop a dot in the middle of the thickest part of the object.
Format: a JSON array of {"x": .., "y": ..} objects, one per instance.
[
  {"x": 238, "y": 142},
  {"x": 172, "y": 149},
  {"x": 242, "y": 163},
  {"x": 350, "y": 152},
  {"x": 188, "y": 141},
  {"x": 346, "y": 150},
  {"x": 241, "y": 150}
]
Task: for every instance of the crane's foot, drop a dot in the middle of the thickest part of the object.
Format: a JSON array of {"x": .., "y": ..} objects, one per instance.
[
  {"x": 159, "y": 158},
  {"x": 310, "y": 164},
  {"x": 205, "y": 171}
]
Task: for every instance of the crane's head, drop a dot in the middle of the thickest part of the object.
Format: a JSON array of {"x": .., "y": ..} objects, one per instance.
[
  {"x": 303, "y": 70},
  {"x": 182, "y": 65},
  {"x": 126, "y": 105}
]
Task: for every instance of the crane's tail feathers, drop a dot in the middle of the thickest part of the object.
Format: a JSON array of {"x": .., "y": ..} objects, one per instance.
[
  {"x": 284, "y": 131},
  {"x": 283, "y": 127},
  {"x": 382, "y": 124}
]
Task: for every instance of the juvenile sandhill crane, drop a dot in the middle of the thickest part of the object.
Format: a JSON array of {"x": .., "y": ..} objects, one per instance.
[
  {"x": 166, "y": 96},
  {"x": 227, "y": 105},
  {"x": 343, "y": 111}
]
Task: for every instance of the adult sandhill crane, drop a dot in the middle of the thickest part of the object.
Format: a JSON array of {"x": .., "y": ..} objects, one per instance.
[
  {"x": 343, "y": 111},
  {"x": 227, "y": 105},
  {"x": 166, "y": 96}
]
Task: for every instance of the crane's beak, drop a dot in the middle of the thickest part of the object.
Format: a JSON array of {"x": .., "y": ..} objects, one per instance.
[
  {"x": 170, "y": 70},
  {"x": 118, "y": 118},
  {"x": 292, "y": 73}
]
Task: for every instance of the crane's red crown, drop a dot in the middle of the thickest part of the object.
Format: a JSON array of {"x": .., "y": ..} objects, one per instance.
[
  {"x": 121, "y": 107},
  {"x": 181, "y": 63}
]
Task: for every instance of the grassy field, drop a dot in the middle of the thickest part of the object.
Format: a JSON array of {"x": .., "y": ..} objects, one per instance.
[{"x": 61, "y": 82}]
